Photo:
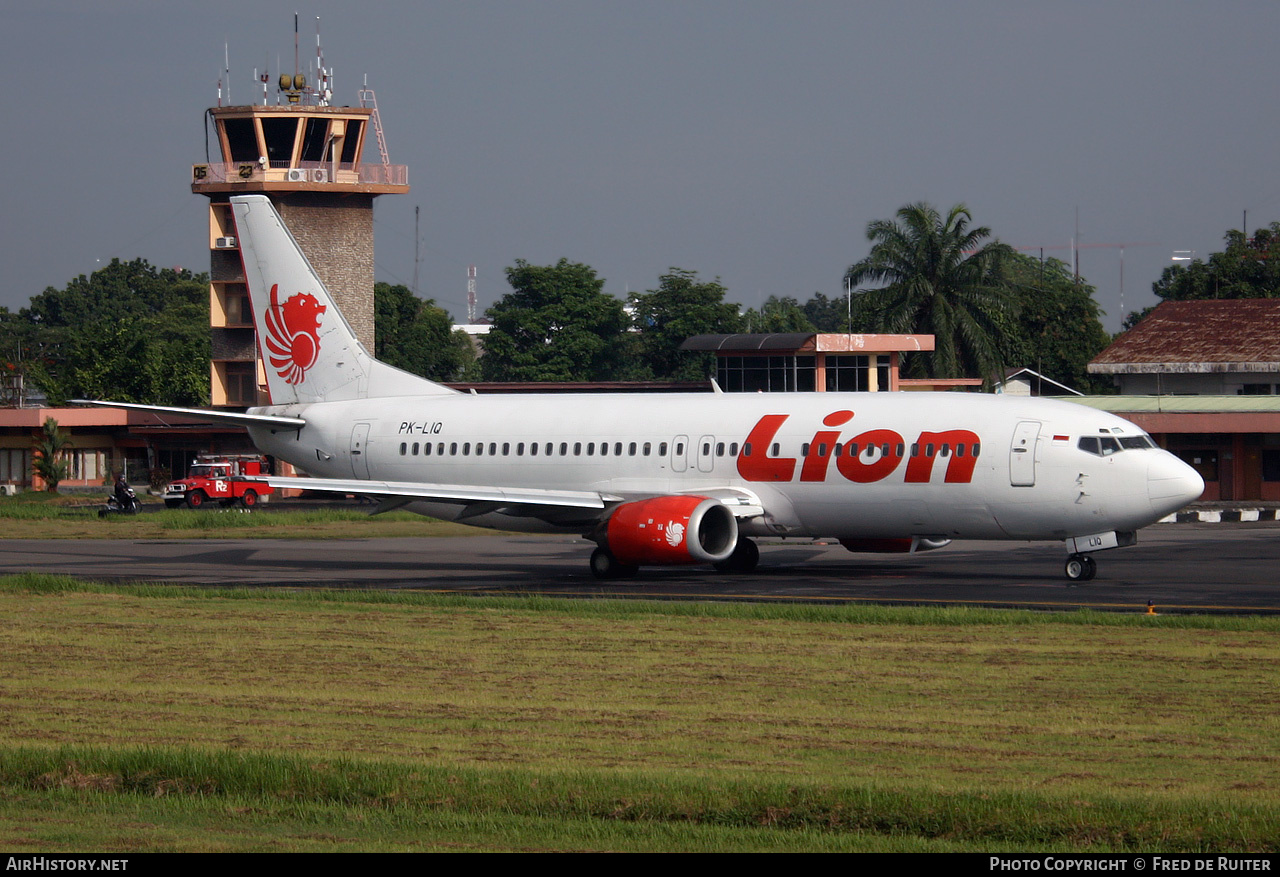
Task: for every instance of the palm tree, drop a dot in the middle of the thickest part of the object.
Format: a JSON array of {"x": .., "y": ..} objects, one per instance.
[
  {"x": 49, "y": 465},
  {"x": 937, "y": 276}
]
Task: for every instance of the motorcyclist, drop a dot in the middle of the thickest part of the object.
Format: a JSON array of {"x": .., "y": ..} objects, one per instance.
[{"x": 122, "y": 491}]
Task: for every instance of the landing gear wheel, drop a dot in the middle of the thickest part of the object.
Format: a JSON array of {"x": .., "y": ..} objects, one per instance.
[
  {"x": 745, "y": 558},
  {"x": 1081, "y": 568},
  {"x": 602, "y": 564},
  {"x": 195, "y": 499},
  {"x": 1091, "y": 567},
  {"x": 605, "y": 566},
  {"x": 249, "y": 499}
]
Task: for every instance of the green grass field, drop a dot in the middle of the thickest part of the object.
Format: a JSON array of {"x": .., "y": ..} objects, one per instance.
[
  {"x": 75, "y": 516},
  {"x": 157, "y": 718}
]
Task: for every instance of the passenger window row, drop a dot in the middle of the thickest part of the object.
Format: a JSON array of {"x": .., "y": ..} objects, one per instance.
[
  {"x": 531, "y": 449},
  {"x": 646, "y": 449}
]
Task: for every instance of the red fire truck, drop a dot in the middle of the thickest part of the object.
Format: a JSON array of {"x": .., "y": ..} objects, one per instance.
[{"x": 210, "y": 479}]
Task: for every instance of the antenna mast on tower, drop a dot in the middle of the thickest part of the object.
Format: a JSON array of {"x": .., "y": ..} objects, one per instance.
[{"x": 416, "y": 239}]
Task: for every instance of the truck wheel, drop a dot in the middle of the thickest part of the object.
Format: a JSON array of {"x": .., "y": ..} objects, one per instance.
[
  {"x": 249, "y": 499},
  {"x": 195, "y": 499}
]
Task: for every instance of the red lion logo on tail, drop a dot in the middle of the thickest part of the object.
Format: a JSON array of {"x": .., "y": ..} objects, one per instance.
[{"x": 293, "y": 334}]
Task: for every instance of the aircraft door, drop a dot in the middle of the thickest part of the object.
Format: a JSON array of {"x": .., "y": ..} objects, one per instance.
[
  {"x": 679, "y": 453},
  {"x": 359, "y": 450},
  {"x": 706, "y": 453},
  {"x": 1022, "y": 454}
]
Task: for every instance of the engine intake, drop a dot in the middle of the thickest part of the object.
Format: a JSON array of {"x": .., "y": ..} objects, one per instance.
[{"x": 671, "y": 529}]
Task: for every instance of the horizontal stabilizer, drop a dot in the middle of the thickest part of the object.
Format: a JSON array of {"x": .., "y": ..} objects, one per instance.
[{"x": 268, "y": 420}]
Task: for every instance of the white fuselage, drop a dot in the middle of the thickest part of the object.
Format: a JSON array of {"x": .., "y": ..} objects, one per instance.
[{"x": 907, "y": 463}]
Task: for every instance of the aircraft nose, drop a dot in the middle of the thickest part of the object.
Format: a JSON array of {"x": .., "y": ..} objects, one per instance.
[{"x": 1171, "y": 483}]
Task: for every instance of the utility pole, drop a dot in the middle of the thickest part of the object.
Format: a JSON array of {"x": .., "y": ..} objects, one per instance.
[{"x": 471, "y": 295}]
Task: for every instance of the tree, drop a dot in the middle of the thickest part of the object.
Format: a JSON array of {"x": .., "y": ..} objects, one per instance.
[
  {"x": 940, "y": 277},
  {"x": 557, "y": 324},
  {"x": 49, "y": 465},
  {"x": 417, "y": 335},
  {"x": 1059, "y": 323},
  {"x": 827, "y": 314},
  {"x": 682, "y": 306},
  {"x": 778, "y": 315},
  {"x": 128, "y": 331},
  {"x": 1246, "y": 268}
]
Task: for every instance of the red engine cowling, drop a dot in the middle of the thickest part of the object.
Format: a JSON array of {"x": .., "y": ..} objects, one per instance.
[{"x": 671, "y": 529}]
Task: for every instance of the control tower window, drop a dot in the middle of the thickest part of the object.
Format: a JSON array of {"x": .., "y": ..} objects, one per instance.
[
  {"x": 351, "y": 142},
  {"x": 279, "y": 135},
  {"x": 241, "y": 140},
  {"x": 313, "y": 140}
]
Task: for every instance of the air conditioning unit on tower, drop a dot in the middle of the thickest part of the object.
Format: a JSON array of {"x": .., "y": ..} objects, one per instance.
[
  {"x": 227, "y": 243},
  {"x": 297, "y": 175},
  {"x": 320, "y": 175}
]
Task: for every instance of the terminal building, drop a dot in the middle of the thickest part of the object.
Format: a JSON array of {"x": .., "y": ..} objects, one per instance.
[
  {"x": 806, "y": 362},
  {"x": 1203, "y": 377}
]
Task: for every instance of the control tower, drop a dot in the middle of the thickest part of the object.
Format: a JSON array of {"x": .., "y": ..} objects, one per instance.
[{"x": 310, "y": 159}]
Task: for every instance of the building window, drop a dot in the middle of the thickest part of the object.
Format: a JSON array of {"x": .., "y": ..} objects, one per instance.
[
  {"x": 86, "y": 465},
  {"x": 242, "y": 385},
  {"x": 1271, "y": 465},
  {"x": 15, "y": 466},
  {"x": 770, "y": 374}
]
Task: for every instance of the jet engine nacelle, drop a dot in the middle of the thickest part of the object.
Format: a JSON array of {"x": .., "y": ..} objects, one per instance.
[
  {"x": 905, "y": 545},
  {"x": 671, "y": 529}
]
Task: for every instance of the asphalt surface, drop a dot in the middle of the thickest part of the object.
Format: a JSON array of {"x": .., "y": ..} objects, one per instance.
[{"x": 1226, "y": 567}]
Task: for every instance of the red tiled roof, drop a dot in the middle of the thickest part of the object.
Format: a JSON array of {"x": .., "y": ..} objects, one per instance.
[{"x": 1218, "y": 335}]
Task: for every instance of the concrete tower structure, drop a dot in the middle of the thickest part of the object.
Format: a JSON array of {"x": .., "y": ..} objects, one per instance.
[{"x": 309, "y": 158}]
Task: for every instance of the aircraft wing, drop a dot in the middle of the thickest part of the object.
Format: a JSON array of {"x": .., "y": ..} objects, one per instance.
[
  {"x": 276, "y": 420},
  {"x": 486, "y": 498},
  {"x": 459, "y": 493}
]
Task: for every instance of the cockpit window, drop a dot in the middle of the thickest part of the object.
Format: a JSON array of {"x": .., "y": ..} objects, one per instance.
[{"x": 1106, "y": 445}]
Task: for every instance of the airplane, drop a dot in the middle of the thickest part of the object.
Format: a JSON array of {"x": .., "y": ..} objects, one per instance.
[{"x": 660, "y": 479}]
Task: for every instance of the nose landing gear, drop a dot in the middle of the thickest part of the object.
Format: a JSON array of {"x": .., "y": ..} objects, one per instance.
[{"x": 1081, "y": 567}]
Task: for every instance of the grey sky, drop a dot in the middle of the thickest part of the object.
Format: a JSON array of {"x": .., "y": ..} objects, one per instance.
[{"x": 747, "y": 140}]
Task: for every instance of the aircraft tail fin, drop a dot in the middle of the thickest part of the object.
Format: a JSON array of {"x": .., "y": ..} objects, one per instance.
[{"x": 308, "y": 349}]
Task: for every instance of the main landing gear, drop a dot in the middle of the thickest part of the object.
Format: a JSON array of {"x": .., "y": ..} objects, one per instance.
[
  {"x": 1081, "y": 567},
  {"x": 745, "y": 558},
  {"x": 605, "y": 566}
]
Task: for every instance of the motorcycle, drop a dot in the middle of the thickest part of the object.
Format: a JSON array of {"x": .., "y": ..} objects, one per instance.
[{"x": 130, "y": 505}]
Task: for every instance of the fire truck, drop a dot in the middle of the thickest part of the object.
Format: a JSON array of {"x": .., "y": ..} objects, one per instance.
[{"x": 211, "y": 480}]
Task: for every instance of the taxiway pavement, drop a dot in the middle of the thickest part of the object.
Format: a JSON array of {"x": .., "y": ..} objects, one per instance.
[{"x": 1232, "y": 568}]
